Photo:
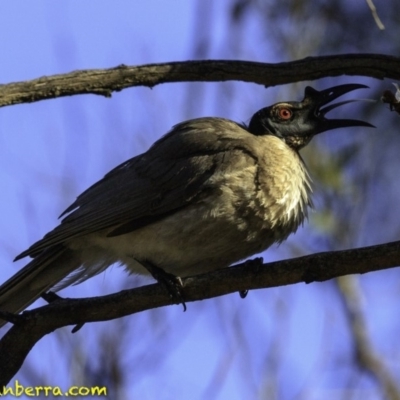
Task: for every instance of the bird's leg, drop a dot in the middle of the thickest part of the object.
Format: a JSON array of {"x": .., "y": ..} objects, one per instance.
[
  {"x": 171, "y": 282},
  {"x": 254, "y": 263},
  {"x": 15, "y": 319},
  {"x": 52, "y": 297}
]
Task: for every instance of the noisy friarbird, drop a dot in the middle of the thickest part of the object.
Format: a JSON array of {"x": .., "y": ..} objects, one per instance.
[{"x": 209, "y": 193}]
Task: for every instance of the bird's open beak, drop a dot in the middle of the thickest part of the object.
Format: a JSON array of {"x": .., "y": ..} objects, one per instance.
[{"x": 316, "y": 100}]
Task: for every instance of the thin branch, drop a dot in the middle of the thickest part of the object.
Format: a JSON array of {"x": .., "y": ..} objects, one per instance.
[
  {"x": 365, "y": 354},
  {"x": 105, "y": 81},
  {"x": 378, "y": 21},
  {"x": 36, "y": 323}
]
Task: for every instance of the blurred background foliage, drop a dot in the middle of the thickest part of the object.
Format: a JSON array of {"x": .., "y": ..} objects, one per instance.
[{"x": 335, "y": 340}]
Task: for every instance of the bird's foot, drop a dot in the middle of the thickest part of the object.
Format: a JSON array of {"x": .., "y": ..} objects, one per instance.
[
  {"x": 309, "y": 276},
  {"x": 52, "y": 297},
  {"x": 172, "y": 283},
  {"x": 254, "y": 263}
]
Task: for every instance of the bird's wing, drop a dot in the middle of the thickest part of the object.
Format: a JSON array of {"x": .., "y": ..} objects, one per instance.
[{"x": 169, "y": 176}]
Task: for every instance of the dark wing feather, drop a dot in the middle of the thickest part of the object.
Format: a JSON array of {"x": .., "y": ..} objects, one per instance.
[{"x": 146, "y": 188}]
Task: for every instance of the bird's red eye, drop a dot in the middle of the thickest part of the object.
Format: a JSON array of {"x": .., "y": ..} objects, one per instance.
[{"x": 285, "y": 113}]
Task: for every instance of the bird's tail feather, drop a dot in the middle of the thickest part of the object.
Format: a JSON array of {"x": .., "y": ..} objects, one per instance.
[{"x": 42, "y": 273}]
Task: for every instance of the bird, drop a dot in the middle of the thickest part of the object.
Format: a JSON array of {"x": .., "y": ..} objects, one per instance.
[{"x": 209, "y": 193}]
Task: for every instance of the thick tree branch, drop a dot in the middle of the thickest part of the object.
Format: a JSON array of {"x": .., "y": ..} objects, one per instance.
[
  {"x": 34, "y": 324},
  {"x": 104, "y": 82}
]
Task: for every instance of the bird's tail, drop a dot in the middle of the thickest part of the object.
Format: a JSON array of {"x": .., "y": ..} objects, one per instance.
[{"x": 42, "y": 273}]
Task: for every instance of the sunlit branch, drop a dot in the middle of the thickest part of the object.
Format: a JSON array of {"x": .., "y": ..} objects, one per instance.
[
  {"x": 365, "y": 354},
  {"x": 106, "y": 81},
  {"x": 374, "y": 13}
]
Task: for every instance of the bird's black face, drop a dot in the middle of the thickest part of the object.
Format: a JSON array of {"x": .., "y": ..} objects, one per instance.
[{"x": 297, "y": 122}]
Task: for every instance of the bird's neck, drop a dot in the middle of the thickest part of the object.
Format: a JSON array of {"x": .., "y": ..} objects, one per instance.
[{"x": 285, "y": 183}]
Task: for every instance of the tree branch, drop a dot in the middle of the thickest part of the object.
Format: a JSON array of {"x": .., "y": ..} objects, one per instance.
[
  {"x": 365, "y": 354},
  {"x": 35, "y": 324},
  {"x": 105, "y": 81}
]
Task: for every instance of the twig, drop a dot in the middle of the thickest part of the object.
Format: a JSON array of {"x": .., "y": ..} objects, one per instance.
[
  {"x": 378, "y": 21},
  {"x": 365, "y": 354}
]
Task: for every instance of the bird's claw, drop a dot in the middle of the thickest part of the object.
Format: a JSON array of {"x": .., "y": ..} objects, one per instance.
[
  {"x": 172, "y": 283},
  {"x": 253, "y": 263},
  {"x": 52, "y": 297}
]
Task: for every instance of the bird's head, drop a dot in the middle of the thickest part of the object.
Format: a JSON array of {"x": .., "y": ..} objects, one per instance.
[{"x": 297, "y": 122}]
